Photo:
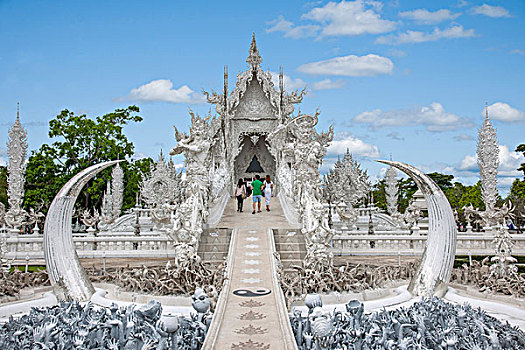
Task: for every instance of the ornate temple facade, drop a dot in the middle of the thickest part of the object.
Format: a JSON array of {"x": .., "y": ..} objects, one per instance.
[{"x": 249, "y": 117}]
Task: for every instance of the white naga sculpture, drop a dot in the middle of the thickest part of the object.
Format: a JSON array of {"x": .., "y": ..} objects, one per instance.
[
  {"x": 67, "y": 276},
  {"x": 17, "y": 153},
  {"x": 434, "y": 271},
  {"x": 488, "y": 162}
]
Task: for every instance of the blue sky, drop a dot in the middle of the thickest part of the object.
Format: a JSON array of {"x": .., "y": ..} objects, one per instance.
[{"x": 407, "y": 78}]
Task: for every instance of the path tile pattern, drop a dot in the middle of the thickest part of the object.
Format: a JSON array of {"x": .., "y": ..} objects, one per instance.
[{"x": 251, "y": 316}]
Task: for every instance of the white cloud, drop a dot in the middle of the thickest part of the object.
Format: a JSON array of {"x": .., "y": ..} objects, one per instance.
[
  {"x": 462, "y": 3},
  {"x": 289, "y": 83},
  {"x": 517, "y": 52},
  {"x": 463, "y": 137},
  {"x": 279, "y": 25},
  {"x": 290, "y": 31},
  {"x": 302, "y": 32},
  {"x": 334, "y": 19},
  {"x": 509, "y": 162},
  {"x": 397, "y": 53},
  {"x": 350, "y": 18},
  {"x": 491, "y": 11},
  {"x": 327, "y": 84},
  {"x": 394, "y": 135},
  {"x": 162, "y": 90},
  {"x": 411, "y": 36},
  {"x": 505, "y": 113},
  {"x": 343, "y": 141},
  {"x": 351, "y": 66},
  {"x": 294, "y": 84},
  {"x": 423, "y": 16},
  {"x": 433, "y": 117},
  {"x": 139, "y": 155}
]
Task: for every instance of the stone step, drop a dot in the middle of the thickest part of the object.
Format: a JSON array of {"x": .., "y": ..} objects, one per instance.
[
  {"x": 214, "y": 247},
  {"x": 290, "y": 247},
  {"x": 288, "y": 239},
  {"x": 292, "y": 256},
  {"x": 210, "y": 256},
  {"x": 220, "y": 238}
]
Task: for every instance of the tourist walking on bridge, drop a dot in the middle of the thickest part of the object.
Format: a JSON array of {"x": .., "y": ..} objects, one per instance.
[
  {"x": 267, "y": 190},
  {"x": 256, "y": 193},
  {"x": 240, "y": 194}
]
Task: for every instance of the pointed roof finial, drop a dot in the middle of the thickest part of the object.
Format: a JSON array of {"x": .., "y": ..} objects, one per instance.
[
  {"x": 486, "y": 110},
  {"x": 390, "y": 156},
  {"x": 254, "y": 59},
  {"x": 18, "y": 111}
]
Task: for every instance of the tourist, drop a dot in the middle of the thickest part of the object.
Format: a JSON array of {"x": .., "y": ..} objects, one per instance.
[
  {"x": 267, "y": 191},
  {"x": 256, "y": 193},
  {"x": 240, "y": 193}
]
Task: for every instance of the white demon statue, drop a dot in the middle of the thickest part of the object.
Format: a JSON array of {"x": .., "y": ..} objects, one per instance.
[{"x": 193, "y": 211}]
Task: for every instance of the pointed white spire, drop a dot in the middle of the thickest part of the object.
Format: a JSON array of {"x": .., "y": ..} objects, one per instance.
[
  {"x": 488, "y": 162},
  {"x": 254, "y": 58},
  {"x": 17, "y": 153}
]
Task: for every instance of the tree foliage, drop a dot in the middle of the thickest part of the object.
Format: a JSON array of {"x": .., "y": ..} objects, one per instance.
[
  {"x": 459, "y": 195},
  {"x": 82, "y": 142},
  {"x": 521, "y": 148},
  {"x": 3, "y": 185}
]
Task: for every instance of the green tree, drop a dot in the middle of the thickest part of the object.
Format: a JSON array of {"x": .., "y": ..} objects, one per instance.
[
  {"x": 378, "y": 191},
  {"x": 442, "y": 180},
  {"x": 521, "y": 148},
  {"x": 472, "y": 195},
  {"x": 407, "y": 188},
  {"x": 132, "y": 178},
  {"x": 3, "y": 185},
  {"x": 80, "y": 143}
]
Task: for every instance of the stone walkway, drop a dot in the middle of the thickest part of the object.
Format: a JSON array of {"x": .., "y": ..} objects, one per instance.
[{"x": 252, "y": 317}]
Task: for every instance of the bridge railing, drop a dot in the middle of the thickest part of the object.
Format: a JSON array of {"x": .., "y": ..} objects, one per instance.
[
  {"x": 31, "y": 246},
  {"x": 414, "y": 245}
]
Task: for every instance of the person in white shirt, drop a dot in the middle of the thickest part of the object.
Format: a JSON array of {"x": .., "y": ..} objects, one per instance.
[
  {"x": 267, "y": 190},
  {"x": 240, "y": 194}
]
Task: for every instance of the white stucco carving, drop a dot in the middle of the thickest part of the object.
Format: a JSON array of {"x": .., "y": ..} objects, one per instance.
[
  {"x": 16, "y": 166},
  {"x": 488, "y": 162}
]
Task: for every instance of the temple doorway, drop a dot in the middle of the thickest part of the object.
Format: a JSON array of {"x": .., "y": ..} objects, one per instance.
[{"x": 254, "y": 159}]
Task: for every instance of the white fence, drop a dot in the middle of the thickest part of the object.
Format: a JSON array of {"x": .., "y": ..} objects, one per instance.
[
  {"x": 31, "y": 246},
  {"x": 126, "y": 246},
  {"x": 414, "y": 245}
]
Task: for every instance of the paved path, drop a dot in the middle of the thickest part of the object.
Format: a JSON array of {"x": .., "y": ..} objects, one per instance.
[{"x": 253, "y": 314}]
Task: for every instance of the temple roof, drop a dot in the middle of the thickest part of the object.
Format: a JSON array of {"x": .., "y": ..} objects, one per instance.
[{"x": 280, "y": 100}]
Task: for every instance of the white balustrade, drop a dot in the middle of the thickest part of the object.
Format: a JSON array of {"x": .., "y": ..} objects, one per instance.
[
  {"x": 414, "y": 245},
  {"x": 18, "y": 247}
]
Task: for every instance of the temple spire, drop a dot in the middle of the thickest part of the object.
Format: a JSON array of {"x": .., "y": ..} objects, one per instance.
[{"x": 254, "y": 59}]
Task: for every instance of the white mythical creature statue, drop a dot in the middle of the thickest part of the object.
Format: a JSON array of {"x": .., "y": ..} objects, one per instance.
[
  {"x": 308, "y": 150},
  {"x": 193, "y": 212},
  {"x": 196, "y": 148}
]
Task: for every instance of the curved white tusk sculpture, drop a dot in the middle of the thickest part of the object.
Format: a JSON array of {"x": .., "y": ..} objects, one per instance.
[
  {"x": 67, "y": 276},
  {"x": 433, "y": 273}
]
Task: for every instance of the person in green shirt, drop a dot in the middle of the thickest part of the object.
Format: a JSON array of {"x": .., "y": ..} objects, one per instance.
[{"x": 256, "y": 193}]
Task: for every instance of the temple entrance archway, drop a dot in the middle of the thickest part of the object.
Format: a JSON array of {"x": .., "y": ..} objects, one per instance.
[{"x": 254, "y": 158}]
